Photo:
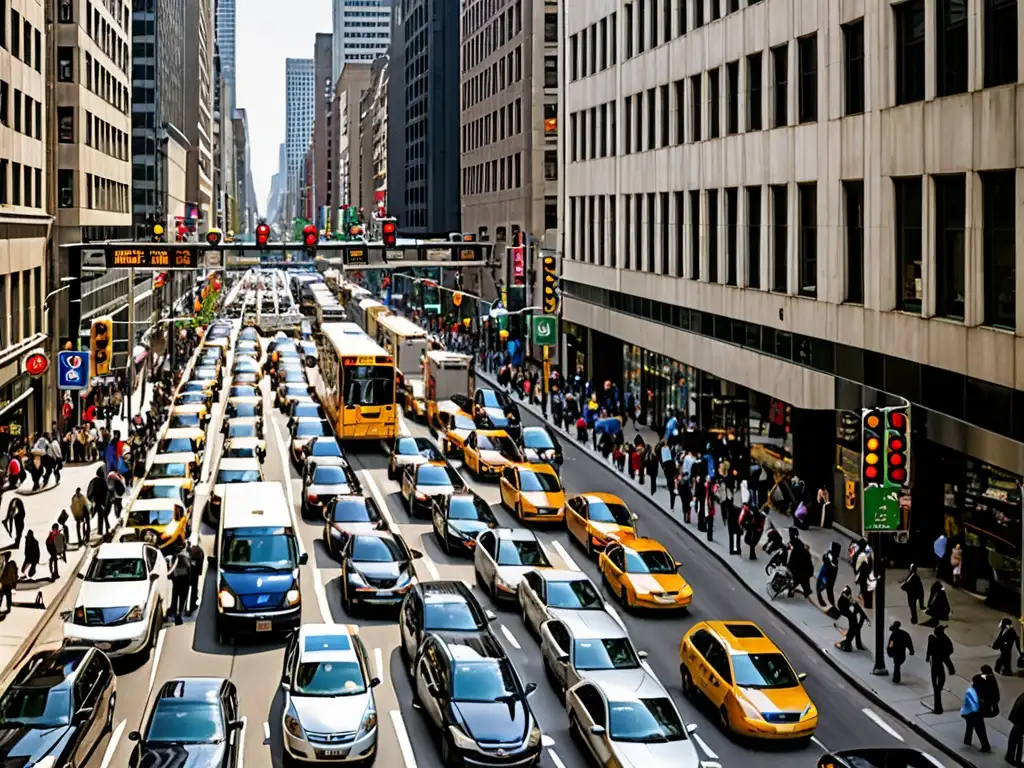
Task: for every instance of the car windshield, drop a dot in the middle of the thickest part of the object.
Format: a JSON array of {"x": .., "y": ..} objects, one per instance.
[
  {"x": 35, "y": 706},
  {"x": 241, "y": 429},
  {"x": 431, "y": 474},
  {"x": 612, "y": 653},
  {"x": 205, "y": 374},
  {"x": 647, "y": 721},
  {"x": 245, "y": 377},
  {"x": 466, "y": 508},
  {"x": 494, "y": 399},
  {"x": 311, "y": 429},
  {"x": 116, "y": 569},
  {"x": 355, "y": 510},
  {"x": 160, "y": 492},
  {"x": 191, "y": 398},
  {"x": 244, "y": 410},
  {"x": 151, "y": 516},
  {"x": 763, "y": 670},
  {"x": 369, "y": 385},
  {"x": 482, "y": 681},
  {"x": 176, "y": 445},
  {"x": 500, "y": 443},
  {"x": 579, "y": 594},
  {"x": 239, "y": 453},
  {"x": 160, "y": 471},
  {"x": 463, "y": 422},
  {"x": 603, "y": 512},
  {"x": 307, "y": 410},
  {"x": 238, "y": 476},
  {"x": 326, "y": 448},
  {"x": 330, "y": 476},
  {"x": 329, "y": 678},
  {"x": 242, "y": 392},
  {"x": 650, "y": 561},
  {"x": 526, "y": 552},
  {"x": 245, "y": 365},
  {"x": 455, "y": 616},
  {"x": 185, "y": 420},
  {"x": 539, "y": 481},
  {"x": 295, "y": 376},
  {"x": 374, "y": 549},
  {"x": 259, "y": 549},
  {"x": 185, "y": 722},
  {"x": 538, "y": 439},
  {"x": 407, "y": 447}
]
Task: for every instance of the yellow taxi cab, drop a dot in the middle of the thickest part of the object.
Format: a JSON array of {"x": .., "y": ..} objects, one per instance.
[
  {"x": 642, "y": 574},
  {"x": 162, "y": 522},
  {"x": 196, "y": 415},
  {"x": 488, "y": 451},
  {"x": 533, "y": 492},
  {"x": 414, "y": 405},
  {"x": 182, "y": 440},
  {"x": 594, "y": 519},
  {"x": 171, "y": 466},
  {"x": 455, "y": 426},
  {"x": 748, "y": 679}
]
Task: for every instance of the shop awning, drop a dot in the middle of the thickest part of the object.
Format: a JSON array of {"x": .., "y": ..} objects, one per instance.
[{"x": 19, "y": 399}]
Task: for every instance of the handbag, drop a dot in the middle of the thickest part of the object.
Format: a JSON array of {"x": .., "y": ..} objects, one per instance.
[{"x": 872, "y": 582}]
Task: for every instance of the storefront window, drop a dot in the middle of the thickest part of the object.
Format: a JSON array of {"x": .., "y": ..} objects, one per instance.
[{"x": 632, "y": 368}]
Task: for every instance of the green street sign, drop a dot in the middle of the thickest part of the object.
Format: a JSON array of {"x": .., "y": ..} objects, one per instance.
[
  {"x": 882, "y": 510},
  {"x": 545, "y": 330}
]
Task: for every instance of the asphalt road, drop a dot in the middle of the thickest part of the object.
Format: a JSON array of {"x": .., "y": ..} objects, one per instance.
[{"x": 847, "y": 718}]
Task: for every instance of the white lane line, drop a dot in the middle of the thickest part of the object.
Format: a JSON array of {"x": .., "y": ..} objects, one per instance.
[
  {"x": 115, "y": 737},
  {"x": 241, "y": 741},
  {"x": 510, "y": 637},
  {"x": 704, "y": 746},
  {"x": 378, "y": 497},
  {"x": 431, "y": 568},
  {"x": 877, "y": 720},
  {"x": 710, "y": 764},
  {"x": 555, "y": 759},
  {"x": 403, "y": 428},
  {"x": 378, "y": 662},
  {"x": 321, "y": 596},
  {"x": 820, "y": 743},
  {"x": 403, "y": 739},
  {"x": 266, "y": 731},
  {"x": 546, "y": 741},
  {"x": 283, "y": 450},
  {"x": 156, "y": 659},
  {"x": 562, "y": 553}
]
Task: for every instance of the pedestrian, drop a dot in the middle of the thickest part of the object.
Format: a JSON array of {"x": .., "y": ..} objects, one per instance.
[
  {"x": 915, "y": 592},
  {"x": 801, "y": 568},
  {"x": 864, "y": 568},
  {"x": 31, "y": 561},
  {"x": 652, "y": 465},
  {"x": 1006, "y": 641},
  {"x": 700, "y": 497},
  {"x": 56, "y": 457},
  {"x": 8, "y": 582},
  {"x": 52, "y": 550},
  {"x": 956, "y": 559},
  {"x": 65, "y": 534},
  {"x": 196, "y": 556},
  {"x": 17, "y": 519},
  {"x": 685, "y": 491},
  {"x": 1015, "y": 742},
  {"x": 116, "y": 488},
  {"x": 856, "y": 618},
  {"x": 972, "y": 713},
  {"x": 80, "y": 511},
  {"x": 900, "y": 643},
  {"x": 938, "y": 605},
  {"x": 753, "y": 525},
  {"x": 98, "y": 494},
  {"x": 181, "y": 575},
  {"x": 939, "y": 548},
  {"x": 733, "y": 511},
  {"x": 827, "y": 575},
  {"x": 709, "y": 517},
  {"x": 939, "y": 656},
  {"x": 15, "y": 473}
]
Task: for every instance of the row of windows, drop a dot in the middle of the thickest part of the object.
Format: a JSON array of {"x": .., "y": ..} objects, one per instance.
[
  {"x": 24, "y": 187},
  {"x": 100, "y": 194},
  {"x": 100, "y": 81},
  {"x": 26, "y": 42},
  {"x": 493, "y": 176},
  {"x": 658, "y": 21},
  {"x": 502, "y": 123},
  {"x": 24, "y": 303},
  {"x": 483, "y": 39},
  {"x": 493, "y": 79},
  {"x": 106, "y": 37},
  {"x": 593, "y": 49},
  {"x": 27, "y": 120},
  {"x": 711, "y": 234},
  {"x": 99, "y": 134}
]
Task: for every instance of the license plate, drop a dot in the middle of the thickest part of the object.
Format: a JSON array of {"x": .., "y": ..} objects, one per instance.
[
  {"x": 335, "y": 752},
  {"x": 264, "y": 626},
  {"x": 383, "y": 594},
  {"x": 103, "y": 646}
]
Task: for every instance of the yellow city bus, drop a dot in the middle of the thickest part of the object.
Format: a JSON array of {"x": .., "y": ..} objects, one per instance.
[{"x": 357, "y": 383}]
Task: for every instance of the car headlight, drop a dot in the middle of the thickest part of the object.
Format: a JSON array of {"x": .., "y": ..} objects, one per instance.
[
  {"x": 135, "y": 614},
  {"x": 292, "y": 597},
  {"x": 462, "y": 741},
  {"x": 292, "y": 724},
  {"x": 356, "y": 578},
  {"x": 456, "y": 532},
  {"x": 47, "y": 762},
  {"x": 225, "y": 599},
  {"x": 641, "y": 592},
  {"x": 807, "y": 710},
  {"x": 369, "y": 721},
  {"x": 79, "y": 617},
  {"x": 749, "y": 710},
  {"x": 535, "y": 736}
]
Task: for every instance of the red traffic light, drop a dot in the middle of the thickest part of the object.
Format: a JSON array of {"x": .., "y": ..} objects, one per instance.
[
  {"x": 898, "y": 475},
  {"x": 310, "y": 236},
  {"x": 871, "y": 472},
  {"x": 897, "y": 420},
  {"x": 262, "y": 235},
  {"x": 389, "y": 233}
]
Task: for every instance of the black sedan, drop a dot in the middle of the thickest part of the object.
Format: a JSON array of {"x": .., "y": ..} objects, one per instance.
[
  {"x": 541, "y": 446},
  {"x": 493, "y": 409},
  {"x": 472, "y": 696},
  {"x": 194, "y": 721},
  {"x": 458, "y": 519},
  {"x": 348, "y": 515},
  {"x": 439, "y": 606},
  {"x": 42, "y": 715},
  {"x": 376, "y": 569}
]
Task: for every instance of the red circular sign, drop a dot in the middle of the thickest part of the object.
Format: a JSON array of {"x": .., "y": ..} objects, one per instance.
[{"x": 36, "y": 364}]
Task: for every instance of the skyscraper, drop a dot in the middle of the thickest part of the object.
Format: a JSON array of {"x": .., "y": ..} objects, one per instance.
[
  {"x": 199, "y": 96},
  {"x": 225, "y": 26},
  {"x": 362, "y": 32},
  {"x": 299, "y": 108}
]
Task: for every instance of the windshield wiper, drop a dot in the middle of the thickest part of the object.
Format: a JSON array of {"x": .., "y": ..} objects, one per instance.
[{"x": 249, "y": 567}]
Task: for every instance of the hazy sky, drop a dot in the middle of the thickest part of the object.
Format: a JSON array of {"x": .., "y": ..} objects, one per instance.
[{"x": 266, "y": 33}]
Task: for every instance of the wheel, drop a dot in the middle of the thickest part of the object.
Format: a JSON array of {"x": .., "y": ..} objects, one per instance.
[
  {"x": 391, "y": 473},
  {"x": 448, "y": 754},
  {"x": 591, "y": 552},
  {"x": 687, "y": 681},
  {"x": 624, "y": 597},
  {"x": 723, "y": 717},
  {"x": 109, "y": 725}
]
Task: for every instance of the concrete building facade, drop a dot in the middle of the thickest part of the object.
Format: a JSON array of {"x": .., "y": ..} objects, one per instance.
[
  {"x": 323, "y": 95},
  {"x": 299, "y": 109},
  {"x": 373, "y": 136},
  {"x": 362, "y": 32},
  {"x": 346, "y": 170},
  {"x": 199, "y": 110},
  {"x": 225, "y": 30}
]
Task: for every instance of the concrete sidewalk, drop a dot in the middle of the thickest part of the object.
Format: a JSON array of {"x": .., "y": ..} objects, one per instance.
[{"x": 972, "y": 627}]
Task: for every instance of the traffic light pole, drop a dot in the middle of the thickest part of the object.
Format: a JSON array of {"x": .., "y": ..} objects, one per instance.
[
  {"x": 878, "y": 545},
  {"x": 131, "y": 345}
]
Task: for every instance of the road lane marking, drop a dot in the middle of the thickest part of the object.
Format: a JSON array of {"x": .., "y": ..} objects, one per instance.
[
  {"x": 511, "y": 638},
  {"x": 156, "y": 659},
  {"x": 378, "y": 661},
  {"x": 403, "y": 428},
  {"x": 546, "y": 741},
  {"x": 704, "y": 746},
  {"x": 710, "y": 764},
  {"x": 285, "y": 461},
  {"x": 379, "y": 498},
  {"x": 266, "y": 731},
  {"x": 555, "y": 759},
  {"x": 403, "y": 739},
  {"x": 877, "y": 720},
  {"x": 115, "y": 737},
  {"x": 241, "y": 741},
  {"x": 562, "y": 553},
  {"x": 820, "y": 743},
  {"x": 321, "y": 597},
  {"x": 431, "y": 568}
]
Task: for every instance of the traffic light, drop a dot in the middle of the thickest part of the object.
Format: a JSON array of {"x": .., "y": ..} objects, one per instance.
[
  {"x": 213, "y": 237},
  {"x": 310, "y": 236},
  {"x": 549, "y": 274},
  {"x": 158, "y": 234},
  {"x": 389, "y": 232},
  {"x": 262, "y": 235},
  {"x": 101, "y": 346},
  {"x": 872, "y": 423},
  {"x": 897, "y": 445}
]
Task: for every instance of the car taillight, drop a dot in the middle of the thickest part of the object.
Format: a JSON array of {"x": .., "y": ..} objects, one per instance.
[{"x": 311, "y": 498}]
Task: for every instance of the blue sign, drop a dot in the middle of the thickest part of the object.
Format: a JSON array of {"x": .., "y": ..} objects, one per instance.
[{"x": 72, "y": 370}]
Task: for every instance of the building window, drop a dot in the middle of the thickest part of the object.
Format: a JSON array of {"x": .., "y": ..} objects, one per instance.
[
  {"x": 602, "y": 132},
  {"x": 714, "y": 108},
  {"x": 613, "y": 44},
  {"x": 4, "y": 100},
  {"x": 780, "y": 70},
  {"x": 780, "y": 213},
  {"x": 627, "y": 111},
  {"x": 66, "y": 188},
  {"x": 17, "y": 110},
  {"x": 638, "y": 218},
  {"x": 807, "y": 60},
  {"x": 907, "y": 193},
  {"x": 753, "y": 237},
  {"x": 999, "y": 195},
  {"x": 950, "y": 46},
  {"x": 66, "y": 12},
  {"x": 641, "y": 25},
  {"x": 680, "y": 89},
  {"x": 853, "y": 192},
  {"x": 696, "y": 97},
  {"x": 695, "y": 234},
  {"x": 667, "y": 21},
  {"x": 950, "y": 225},
  {"x": 66, "y": 125},
  {"x": 15, "y": 183},
  {"x": 15, "y": 34},
  {"x": 663, "y": 230},
  {"x": 601, "y": 236},
  {"x": 808, "y": 272},
  {"x": 574, "y": 137},
  {"x": 731, "y": 227},
  {"x": 732, "y": 110},
  {"x": 65, "y": 64},
  {"x": 754, "y": 91},
  {"x": 1000, "y": 42},
  {"x": 909, "y": 51},
  {"x": 551, "y": 119},
  {"x": 663, "y": 112},
  {"x": 638, "y": 101},
  {"x": 853, "y": 67},
  {"x": 39, "y": 187},
  {"x": 550, "y": 213},
  {"x": 652, "y": 122},
  {"x": 712, "y": 230},
  {"x": 550, "y": 27},
  {"x": 629, "y": 31},
  {"x": 550, "y": 71},
  {"x": 698, "y": 13},
  {"x": 603, "y": 37},
  {"x": 574, "y": 53},
  {"x": 3, "y": 182},
  {"x": 679, "y": 207}
]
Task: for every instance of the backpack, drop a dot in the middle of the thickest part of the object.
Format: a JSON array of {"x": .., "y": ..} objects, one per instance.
[{"x": 181, "y": 566}]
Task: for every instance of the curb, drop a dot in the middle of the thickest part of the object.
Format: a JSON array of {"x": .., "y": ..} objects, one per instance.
[{"x": 793, "y": 625}]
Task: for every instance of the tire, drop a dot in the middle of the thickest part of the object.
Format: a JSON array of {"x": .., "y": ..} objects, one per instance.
[
  {"x": 391, "y": 473},
  {"x": 624, "y": 597},
  {"x": 686, "y": 679},
  {"x": 723, "y": 718},
  {"x": 448, "y": 755},
  {"x": 591, "y": 552}
]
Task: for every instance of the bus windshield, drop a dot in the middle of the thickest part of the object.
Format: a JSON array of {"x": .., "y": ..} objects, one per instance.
[{"x": 371, "y": 385}]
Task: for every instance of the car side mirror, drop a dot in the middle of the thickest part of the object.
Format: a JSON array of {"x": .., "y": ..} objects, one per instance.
[
  {"x": 530, "y": 688},
  {"x": 374, "y": 682},
  {"x": 597, "y": 730},
  {"x": 641, "y": 655},
  {"x": 802, "y": 676},
  {"x": 563, "y": 657},
  {"x": 416, "y": 554},
  {"x": 83, "y": 714},
  {"x": 154, "y": 576},
  {"x": 236, "y": 725},
  {"x": 80, "y": 575},
  {"x": 678, "y": 565},
  {"x": 304, "y": 558},
  {"x": 491, "y": 615},
  {"x": 134, "y": 736},
  {"x": 691, "y": 728}
]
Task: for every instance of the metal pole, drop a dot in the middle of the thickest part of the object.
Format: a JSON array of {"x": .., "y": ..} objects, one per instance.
[
  {"x": 131, "y": 342},
  {"x": 879, "y": 547}
]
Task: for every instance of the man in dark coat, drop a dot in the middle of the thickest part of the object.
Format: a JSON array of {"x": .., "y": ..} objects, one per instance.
[
  {"x": 196, "y": 556},
  {"x": 181, "y": 577},
  {"x": 801, "y": 567},
  {"x": 900, "y": 643},
  {"x": 827, "y": 575},
  {"x": 98, "y": 494},
  {"x": 856, "y": 617},
  {"x": 939, "y": 656},
  {"x": 1015, "y": 743},
  {"x": 1006, "y": 641}
]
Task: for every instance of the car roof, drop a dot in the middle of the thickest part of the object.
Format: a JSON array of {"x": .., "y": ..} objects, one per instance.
[
  {"x": 327, "y": 642},
  {"x": 179, "y": 481},
  {"x": 607, "y": 498},
  {"x": 244, "y": 419},
  {"x": 244, "y": 398},
  {"x": 742, "y": 636},
  {"x": 184, "y": 432},
  {"x": 540, "y": 469},
  {"x": 491, "y": 432},
  {"x": 191, "y": 408},
  {"x": 199, "y": 689},
  {"x": 148, "y": 505},
  {"x": 562, "y": 574},
  {"x": 467, "y": 646},
  {"x": 230, "y": 464},
  {"x": 51, "y": 669},
  {"x": 592, "y": 624},
  {"x": 642, "y": 544},
  {"x": 515, "y": 534},
  {"x": 647, "y": 687},
  {"x": 173, "y": 458},
  {"x": 447, "y": 591},
  {"x": 118, "y": 550}
]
